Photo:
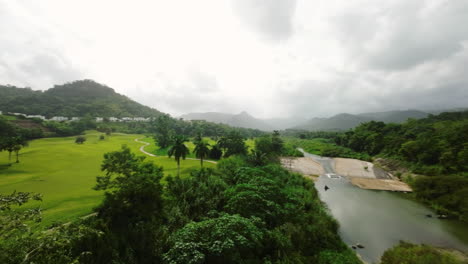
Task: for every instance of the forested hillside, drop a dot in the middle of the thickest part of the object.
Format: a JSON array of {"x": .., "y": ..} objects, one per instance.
[
  {"x": 436, "y": 146},
  {"x": 78, "y": 98},
  {"x": 342, "y": 122}
]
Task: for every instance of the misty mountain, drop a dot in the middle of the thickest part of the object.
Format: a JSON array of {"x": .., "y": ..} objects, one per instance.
[
  {"x": 78, "y": 98},
  {"x": 348, "y": 121},
  {"x": 242, "y": 119}
]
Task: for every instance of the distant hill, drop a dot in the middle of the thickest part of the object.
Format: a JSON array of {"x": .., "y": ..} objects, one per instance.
[
  {"x": 348, "y": 121},
  {"x": 78, "y": 98},
  {"x": 242, "y": 119}
]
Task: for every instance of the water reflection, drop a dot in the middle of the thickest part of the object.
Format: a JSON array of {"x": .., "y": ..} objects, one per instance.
[{"x": 379, "y": 219}]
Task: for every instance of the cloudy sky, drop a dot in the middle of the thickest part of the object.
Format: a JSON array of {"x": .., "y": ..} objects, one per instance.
[{"x": 272, "y": 58}]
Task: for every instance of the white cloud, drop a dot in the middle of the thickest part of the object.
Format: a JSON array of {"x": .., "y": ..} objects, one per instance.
[{"x": 270, "y": 58}]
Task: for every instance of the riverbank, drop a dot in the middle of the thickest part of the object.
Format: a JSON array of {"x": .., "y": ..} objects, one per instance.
[{"x": 360, "y": 173}]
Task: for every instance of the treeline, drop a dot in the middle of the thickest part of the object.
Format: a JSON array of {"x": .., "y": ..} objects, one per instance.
[
  {"x": 240, "y": 212},
  {"x": 436, "y": 146}
]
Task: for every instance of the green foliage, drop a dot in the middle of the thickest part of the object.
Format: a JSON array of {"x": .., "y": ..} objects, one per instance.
[
  {"x": 201, "y": 150},
  {"x": 132, "y": 210},
  {"x": 80, "y": 140},
  {"x": 225, "y": 239},
  {"x": 236, "y": 213},
  {"x": 416, "y": 254},
  {"x": 163, "y": 129},
  {"x": 194, "y": 198},
  {"x": 233, "y": 144},
  {"x": 450, "y": 192},
  {"x": 77, "y": 98},
  {"x": 434, "y": 146},
  {"x": 324, "y": 147},
  {"x": 215, "y": 153},
  {"x": 178, "y": 150}
]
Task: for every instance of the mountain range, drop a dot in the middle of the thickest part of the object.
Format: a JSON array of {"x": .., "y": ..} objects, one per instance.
[{"x": 337, "y": 122}]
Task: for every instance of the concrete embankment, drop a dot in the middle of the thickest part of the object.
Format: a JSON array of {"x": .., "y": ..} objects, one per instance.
[{"x": 360, "y": 173}]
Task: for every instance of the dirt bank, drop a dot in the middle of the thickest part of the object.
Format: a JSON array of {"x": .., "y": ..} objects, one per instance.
[
  {"x": 354, "y": 168},
  {"x": 380, "y": 184},
  {"x": 305, "y": 166}
]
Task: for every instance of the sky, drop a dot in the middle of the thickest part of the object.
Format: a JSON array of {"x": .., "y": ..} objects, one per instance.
[{"x": 271, "y": 58}]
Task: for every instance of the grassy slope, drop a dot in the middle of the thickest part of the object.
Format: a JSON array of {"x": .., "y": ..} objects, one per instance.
[
  {"x": 65, "y": 172},
  {"x": 313, "y": 146}
]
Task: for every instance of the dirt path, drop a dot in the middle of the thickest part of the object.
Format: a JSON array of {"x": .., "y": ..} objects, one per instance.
[{"x": 142, "y": 149}]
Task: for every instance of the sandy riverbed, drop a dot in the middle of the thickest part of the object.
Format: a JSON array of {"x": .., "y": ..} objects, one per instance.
[{"x": 362, "y": 174}]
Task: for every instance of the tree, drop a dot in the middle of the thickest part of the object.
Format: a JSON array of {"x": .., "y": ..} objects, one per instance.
[
  {"x": 132, "y": 209},
  {"x": 201, "y": 150},
  {"x": 178, "y": 150},
  {"x": 257, "y": 158},
  {"x": 226, "y": 239},
  {"x": 215, "y": 152},
  {"x": 80, "y": 140},
  {"x": 14, "y": 144},
  {"x": 163, "y": 128},
  {"x": 233, "y": 144},
  {"x": 277, "y": 144},
  {"x": 17, "y": 149}
]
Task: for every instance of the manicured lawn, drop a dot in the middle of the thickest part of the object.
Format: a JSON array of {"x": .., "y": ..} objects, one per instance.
[{"x": 65, "y": 172}]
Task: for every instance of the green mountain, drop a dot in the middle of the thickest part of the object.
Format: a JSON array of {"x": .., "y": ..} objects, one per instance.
[
  {"x": 348, "y": 121},
  {"x": 242, "y": 119},
  {"x": 78, "y": 98}
]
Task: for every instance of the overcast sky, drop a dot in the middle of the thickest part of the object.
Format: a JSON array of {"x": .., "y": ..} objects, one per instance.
[{"x": 272, "y": 58}]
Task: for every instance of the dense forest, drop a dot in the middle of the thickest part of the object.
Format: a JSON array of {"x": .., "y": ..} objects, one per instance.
[
  {"x": 436, "y": 146},
  {"x": 78, "y": 98},
  {"x": 244, "y": 211}
]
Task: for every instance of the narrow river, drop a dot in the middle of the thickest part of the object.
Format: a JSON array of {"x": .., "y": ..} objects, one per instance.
[{"x": 379, "y": 219}]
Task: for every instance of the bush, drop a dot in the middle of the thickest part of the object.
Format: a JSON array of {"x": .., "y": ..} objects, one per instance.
[
  {"x": 80, "y": 140},
  {"x": 416, "y": 254}
]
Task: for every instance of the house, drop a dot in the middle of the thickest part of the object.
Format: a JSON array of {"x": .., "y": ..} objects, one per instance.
[
  {"x": 99, "y": 119},
  {"x": 141, "y": 119},
  {"x": 36, "y": 116},
  {"x": 59, "y": 118},
  {"x": 75, "y": 118},
  {"x": 114, "y": 119},
  {"x": 127, "y": 119}
]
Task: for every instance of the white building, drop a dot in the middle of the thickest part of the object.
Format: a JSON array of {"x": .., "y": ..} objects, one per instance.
[
  {"x": 127, "y": 119},
  {"x": 141, "y": 119},
  {"x": 36, "y": 116},
  {"x": 99, "y": 119},
  {"x": 75, "y": 118},
  {"x": 59, "y": 118},
  {"x": 114, "y": 119}
]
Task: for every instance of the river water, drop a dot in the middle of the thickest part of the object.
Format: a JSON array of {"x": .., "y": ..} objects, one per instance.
[{"x": 380, "y": 219}]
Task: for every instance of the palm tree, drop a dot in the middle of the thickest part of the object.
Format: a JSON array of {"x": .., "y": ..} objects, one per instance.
[
  {"x": 201, "y": 150},
  {"x": 178, "y": 150}
]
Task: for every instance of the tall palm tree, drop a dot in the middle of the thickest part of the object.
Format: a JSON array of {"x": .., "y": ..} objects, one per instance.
[
  {"x": 178, "y": 150},
  {"x": 201, "y": 150}
]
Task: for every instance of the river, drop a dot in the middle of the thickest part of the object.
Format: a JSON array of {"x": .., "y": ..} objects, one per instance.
[{"x": 380, "y": 219}]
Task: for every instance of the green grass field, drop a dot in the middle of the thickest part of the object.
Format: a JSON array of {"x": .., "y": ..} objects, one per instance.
[{"x": 65, "y": 172}]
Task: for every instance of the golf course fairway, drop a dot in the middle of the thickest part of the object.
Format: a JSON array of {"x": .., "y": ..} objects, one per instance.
[{"x": 65, "y": 172}]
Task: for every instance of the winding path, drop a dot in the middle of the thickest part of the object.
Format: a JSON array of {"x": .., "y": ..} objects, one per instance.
[{"x": 142, "y": 149}]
